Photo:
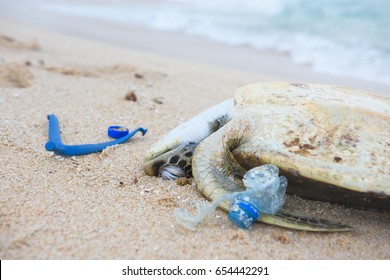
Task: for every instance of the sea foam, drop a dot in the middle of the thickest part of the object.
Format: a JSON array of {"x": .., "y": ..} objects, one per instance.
[{"x": 347, "y": 38}]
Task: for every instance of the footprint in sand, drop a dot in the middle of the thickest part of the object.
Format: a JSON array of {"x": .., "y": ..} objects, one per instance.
[
  {"x": 15, "y": 75},
  {"x": 10, "y": 42},
  {"x": 117, "y": 69},
  {"x": 91, "y": 71},
  {"x": 69, "y": 71}
]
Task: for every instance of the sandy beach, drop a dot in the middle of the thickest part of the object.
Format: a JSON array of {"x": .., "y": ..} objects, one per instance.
[{"x": 103, "y": 206}]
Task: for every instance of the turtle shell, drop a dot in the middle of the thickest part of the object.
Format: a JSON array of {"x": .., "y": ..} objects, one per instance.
[{"x": 331, "y": 142}]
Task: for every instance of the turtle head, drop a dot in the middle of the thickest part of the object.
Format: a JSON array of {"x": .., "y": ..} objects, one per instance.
[{"x": 170, "y": 160}]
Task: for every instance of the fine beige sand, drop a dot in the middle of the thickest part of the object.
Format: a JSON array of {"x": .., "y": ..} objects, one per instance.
[{"x": 103, "y": 206}]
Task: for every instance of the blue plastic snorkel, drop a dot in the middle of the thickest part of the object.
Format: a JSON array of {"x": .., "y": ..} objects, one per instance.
[{"x": 54, "y": 144}]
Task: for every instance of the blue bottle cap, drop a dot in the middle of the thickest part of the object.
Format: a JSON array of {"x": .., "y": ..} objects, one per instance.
[
  {"x": 243, "y": 214},
  {"x": 117, "y": 132}
]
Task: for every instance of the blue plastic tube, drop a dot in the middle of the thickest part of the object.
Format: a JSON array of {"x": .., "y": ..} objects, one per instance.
[{"x": 55, "y": 144}]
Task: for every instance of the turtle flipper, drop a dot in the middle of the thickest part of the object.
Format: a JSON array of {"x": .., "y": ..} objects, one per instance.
[{"x": 288, "y": 219}]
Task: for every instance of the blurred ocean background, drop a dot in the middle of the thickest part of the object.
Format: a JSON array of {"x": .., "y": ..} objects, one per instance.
[{"x": 348, "y": 38}]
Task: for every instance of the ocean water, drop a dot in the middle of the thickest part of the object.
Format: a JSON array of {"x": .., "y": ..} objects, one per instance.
[{"x": 348, "y": 38}]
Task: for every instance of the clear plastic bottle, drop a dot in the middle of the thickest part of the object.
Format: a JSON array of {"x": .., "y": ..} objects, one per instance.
[{"x": 265, "y": 193}]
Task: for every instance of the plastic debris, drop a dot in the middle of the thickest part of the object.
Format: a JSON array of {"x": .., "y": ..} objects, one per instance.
[
  {"x": 265, "y": 193},
  {"x": 55, "y": 144},
  {"x": 117, "y": 132},
  {"x": 203, "y": 209}
]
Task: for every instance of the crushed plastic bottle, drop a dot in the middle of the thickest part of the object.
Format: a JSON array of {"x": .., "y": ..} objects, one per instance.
[{"x": 265, "y": 193}]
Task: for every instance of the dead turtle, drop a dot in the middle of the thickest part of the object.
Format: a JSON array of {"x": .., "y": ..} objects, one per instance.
[{"x": 331, "y": 142}]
